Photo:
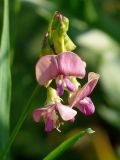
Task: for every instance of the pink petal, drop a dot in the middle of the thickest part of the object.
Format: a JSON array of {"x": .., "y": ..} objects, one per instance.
[
  {"x": 66, "y": 112},
  {"x": 37, "y": 113},
  {"x": 86, "y": 106},
  {"x": 60, "y": 90},
  {"x": 70, "y": 64},
  {"x": 87, "y": 88},
  {"x": 46, "y": 69},
  {"x": 72, "y": 120},
  {"x": 48, "y": 124},
  {"x": 94, "y": 77},
  {"x": 70, "y": 86}
]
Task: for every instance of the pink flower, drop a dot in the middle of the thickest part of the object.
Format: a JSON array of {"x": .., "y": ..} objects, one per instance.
[
  {"x": 51, "y": 116},
  {"x": 60, "y": 67},
  {"x": 81, "y": 98}
]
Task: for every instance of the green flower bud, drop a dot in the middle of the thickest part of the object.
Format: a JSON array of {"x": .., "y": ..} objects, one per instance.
[{"x": 58, "y": 37}]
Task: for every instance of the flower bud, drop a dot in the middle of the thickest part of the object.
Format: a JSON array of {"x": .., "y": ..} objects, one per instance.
[{"x": 58, "y": 34}]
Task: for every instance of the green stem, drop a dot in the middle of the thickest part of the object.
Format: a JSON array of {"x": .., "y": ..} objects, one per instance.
[
  {"x": 22, "y": 118},
  {"x": 5, "y": 78}
]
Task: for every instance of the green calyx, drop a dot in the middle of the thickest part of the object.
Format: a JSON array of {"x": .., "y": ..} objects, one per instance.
[{"x": 52, "y": 96}]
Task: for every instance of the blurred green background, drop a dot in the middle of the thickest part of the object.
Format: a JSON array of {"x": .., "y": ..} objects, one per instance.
[{"x": 95, "y": 29}]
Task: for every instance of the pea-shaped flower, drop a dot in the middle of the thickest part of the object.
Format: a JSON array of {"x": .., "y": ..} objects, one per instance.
[
  {"x": 81, "y": 99},
  {"x": 60, "y": 68},
  {"x": 54, "y": 113},
  {"x": 51, "y": 116}
]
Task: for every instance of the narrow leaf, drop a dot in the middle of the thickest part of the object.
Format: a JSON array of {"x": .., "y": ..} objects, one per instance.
[
  {"x": 5, "y": 78},
  {"x": 66, "y": 144}
]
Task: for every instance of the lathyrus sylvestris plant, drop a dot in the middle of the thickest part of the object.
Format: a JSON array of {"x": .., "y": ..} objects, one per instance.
[{"x": 61, "y": 65}]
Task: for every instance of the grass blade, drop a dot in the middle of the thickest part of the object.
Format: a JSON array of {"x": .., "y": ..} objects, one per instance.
[
  {"x": 5, "y": 78},
  {"x": 66, "y": 144}
]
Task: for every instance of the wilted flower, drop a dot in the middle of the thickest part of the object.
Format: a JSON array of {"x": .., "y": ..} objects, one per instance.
[
  {"x": 81, "y": 98},
  {"x": 60, "y": 67},
  {"x": 52, "y": 110}
]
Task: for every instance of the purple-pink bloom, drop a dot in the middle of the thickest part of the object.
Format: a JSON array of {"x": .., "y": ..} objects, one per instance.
[
  {"x": 81, "y": 98},
  {"x": 51, "y": 116},
  {"x": 60, "y": 67}
]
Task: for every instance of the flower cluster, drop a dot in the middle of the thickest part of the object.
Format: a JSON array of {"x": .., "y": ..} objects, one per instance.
[{"x": 64, "y": 68}]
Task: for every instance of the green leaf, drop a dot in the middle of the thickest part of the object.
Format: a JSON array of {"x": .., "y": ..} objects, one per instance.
[
  {"x": 66, "y": 144},
  {"x": 5, "y": 78}
]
